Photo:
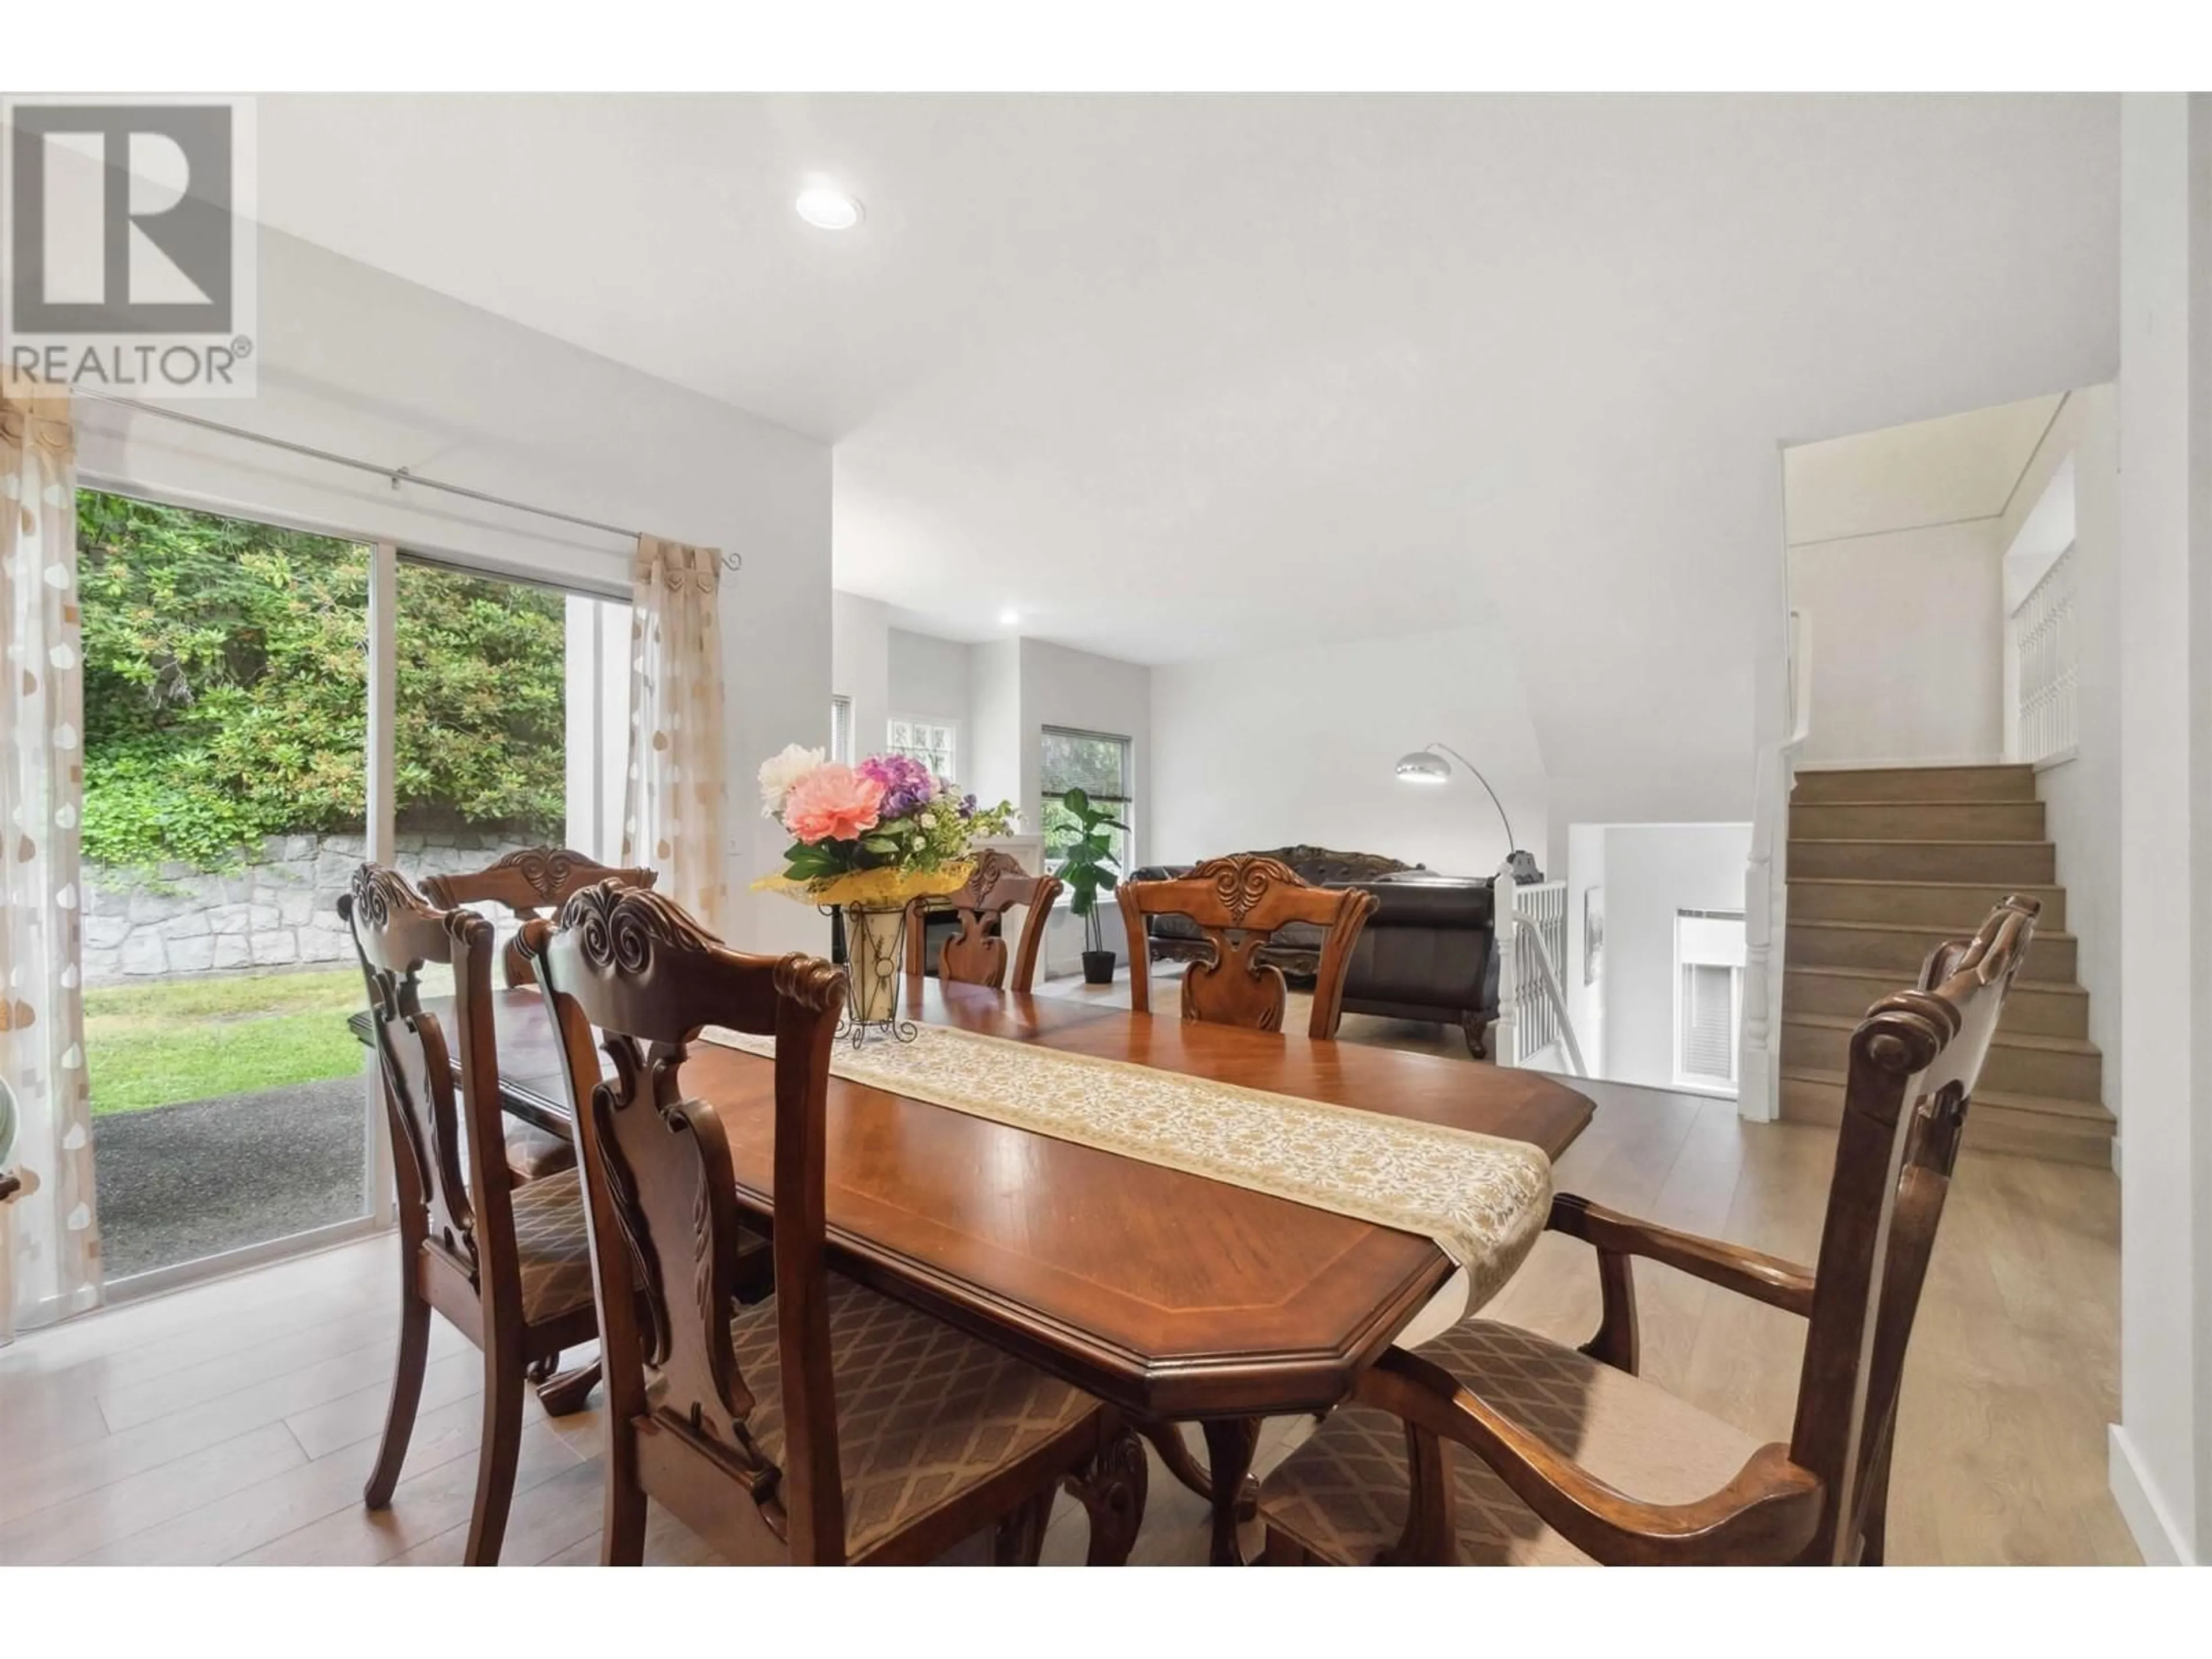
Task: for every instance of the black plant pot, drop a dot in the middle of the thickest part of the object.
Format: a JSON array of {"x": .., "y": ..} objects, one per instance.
[{"x": 1098, "y": 967}]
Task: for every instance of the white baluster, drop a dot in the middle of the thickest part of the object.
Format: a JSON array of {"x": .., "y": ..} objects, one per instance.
[{"x": 1505, "y": 939}]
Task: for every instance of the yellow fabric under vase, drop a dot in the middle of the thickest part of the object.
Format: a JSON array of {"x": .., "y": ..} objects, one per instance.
[{"x": 875, "y": 948}]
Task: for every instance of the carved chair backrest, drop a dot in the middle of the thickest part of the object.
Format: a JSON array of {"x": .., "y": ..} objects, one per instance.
[
  {"x": 977, "y": 954},
  {"x": 528, "y": 882},
  {"x": 1914, "y": 1062},
  {"x": 661, "y": 1191},
  {"x": 449, "y": 1153},
  {"x": 1238, "y": 904}
]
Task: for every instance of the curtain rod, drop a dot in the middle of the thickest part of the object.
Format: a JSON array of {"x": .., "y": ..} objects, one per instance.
[{"x": 397, "y": 476}]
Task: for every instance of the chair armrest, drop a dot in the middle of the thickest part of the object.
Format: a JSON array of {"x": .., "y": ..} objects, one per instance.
[
  {"x": 1763, "y": 1277},
  {"x": 1768, "y": 1513}
]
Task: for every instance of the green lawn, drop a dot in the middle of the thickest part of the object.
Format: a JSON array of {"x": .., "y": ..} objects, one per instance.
[{"x": 200, "y": 1039}]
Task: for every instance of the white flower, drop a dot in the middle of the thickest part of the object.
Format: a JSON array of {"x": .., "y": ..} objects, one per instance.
[
  {"x": 929, "y": 820},
  {"x": 779, "y": 772}
]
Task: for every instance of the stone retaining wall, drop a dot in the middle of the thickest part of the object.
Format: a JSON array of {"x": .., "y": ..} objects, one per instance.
[{"x": 276, "y": 911}]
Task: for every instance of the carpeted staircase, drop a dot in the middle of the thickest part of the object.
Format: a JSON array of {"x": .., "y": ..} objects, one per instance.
[{"x": 1883, "y": 866}]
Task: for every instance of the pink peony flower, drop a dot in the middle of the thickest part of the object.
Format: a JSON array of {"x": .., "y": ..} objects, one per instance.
[{"x": 832, "y": 803}]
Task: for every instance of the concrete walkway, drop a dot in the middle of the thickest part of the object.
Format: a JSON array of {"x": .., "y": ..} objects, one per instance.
[{"x": 193, "y": 1180}]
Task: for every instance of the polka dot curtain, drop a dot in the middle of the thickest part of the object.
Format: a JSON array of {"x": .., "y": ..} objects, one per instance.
[
  {"x": 674, "y": 818},
  {"x": 49, "y": 1235}
]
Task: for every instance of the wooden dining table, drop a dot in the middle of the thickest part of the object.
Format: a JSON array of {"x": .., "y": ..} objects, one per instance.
[{"x": 1170, "y": 1295}]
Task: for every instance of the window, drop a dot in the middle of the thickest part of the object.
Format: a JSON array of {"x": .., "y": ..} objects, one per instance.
[
  {"x": 1709, "y": 957},
  {"x": 841, "y": 729},
  {"x": 935, "y": 743},
  {"x": 1098, "y": 764}
]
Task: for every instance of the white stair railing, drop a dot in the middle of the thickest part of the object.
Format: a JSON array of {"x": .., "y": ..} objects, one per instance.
[{"x": 1531, "y": 923}]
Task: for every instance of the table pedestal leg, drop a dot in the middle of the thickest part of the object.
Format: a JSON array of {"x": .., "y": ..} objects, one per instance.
[{"x": 1229, "y": 1443}]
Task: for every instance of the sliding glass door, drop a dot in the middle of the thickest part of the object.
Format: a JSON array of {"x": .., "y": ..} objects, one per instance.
[
  {"x": 230, "y": 670},
  {"x": 225, "y": 693}
]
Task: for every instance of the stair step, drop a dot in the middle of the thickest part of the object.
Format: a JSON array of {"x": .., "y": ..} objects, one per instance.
[
  {"x": 1917, "y": 820},
  {"x": 1899, "y": 948},
  {"x": 2071, "y": 1131},
  {"x": 1857, "y": 859},
  {"x": 1955, "y": 908},
  {"x": 1915, "y": 783},
  {"x": 2019, "y": 1062},
  {"x": 2039, "y": 1007}
]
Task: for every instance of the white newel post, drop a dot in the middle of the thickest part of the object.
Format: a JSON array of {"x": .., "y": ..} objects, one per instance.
[
  {"x": 1505, "y": 939},
  {"x": 1758, "y": 1068},
  {"x": 1767, "y": 879}
]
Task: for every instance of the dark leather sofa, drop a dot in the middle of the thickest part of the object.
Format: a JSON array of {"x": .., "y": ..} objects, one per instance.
[{"x": 1426, "y": 952}]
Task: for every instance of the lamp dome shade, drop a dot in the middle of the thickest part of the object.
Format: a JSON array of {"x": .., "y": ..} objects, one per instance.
[{"x": 1422, "y": 766}]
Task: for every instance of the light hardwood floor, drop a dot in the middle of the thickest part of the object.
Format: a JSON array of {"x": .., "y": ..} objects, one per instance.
[{"x": 235, "y": 1422}]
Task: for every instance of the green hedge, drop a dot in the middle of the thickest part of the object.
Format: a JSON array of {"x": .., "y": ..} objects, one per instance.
[{"x": 225, "y": 684}]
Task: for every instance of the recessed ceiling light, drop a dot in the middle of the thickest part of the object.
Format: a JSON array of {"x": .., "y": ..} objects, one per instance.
[
  {"x": 828, "y": 208},
  {"x": 1008, "y": 618}
]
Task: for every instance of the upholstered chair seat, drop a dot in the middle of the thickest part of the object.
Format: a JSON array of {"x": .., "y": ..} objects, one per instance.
[
  {"x": 925, "y": 1414},
  {"x": 1341, "y": 1496},
  {"x": 532, "y": 1154},
  {"x": 550, "y": 1247}
]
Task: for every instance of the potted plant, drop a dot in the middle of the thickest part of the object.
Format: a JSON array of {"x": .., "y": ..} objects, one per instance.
[{"x": 1088, "y": 867}]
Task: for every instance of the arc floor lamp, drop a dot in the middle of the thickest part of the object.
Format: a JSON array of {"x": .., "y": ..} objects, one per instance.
[{"x": 1427, "y": 767}]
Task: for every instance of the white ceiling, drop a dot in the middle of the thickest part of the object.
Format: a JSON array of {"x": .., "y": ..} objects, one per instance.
[
  {"x": 1179, "y": 376},
  {"x": 1928, "y": 472}
]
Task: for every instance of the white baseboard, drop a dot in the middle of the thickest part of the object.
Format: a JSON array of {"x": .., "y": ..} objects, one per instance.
[{"x": 2155, "y": 1534}]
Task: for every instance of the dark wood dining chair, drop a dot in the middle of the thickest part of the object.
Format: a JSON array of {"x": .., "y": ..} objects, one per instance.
[
  {"x": 828, "y": 1425},
  {"x": 1523, "y": 1450},
  {"x": 1238, "y": 904},
  {"x": 976, "y": 954},
  {"x": 509, "y": 1265},
  {"x": 529, "y": 881}
]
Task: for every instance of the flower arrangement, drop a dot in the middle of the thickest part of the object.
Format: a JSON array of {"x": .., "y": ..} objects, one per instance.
[{"x": 880, "y": 832}]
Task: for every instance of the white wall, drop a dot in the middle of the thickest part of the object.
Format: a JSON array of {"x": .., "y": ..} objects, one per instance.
[
  {"x": 1300, "y": 745},
  {"x": 1907, "y": 631},
  {"x": 2081, "y": 795},
  {"x": 1650, "y": 871},
  {"x": 860, "y": 667},
  {"x": 363, "y": 364},
  {"x": 993, "y": 733},
  {"x": 2161, "y": 1465},
  {"x": 929, "y": 678}
]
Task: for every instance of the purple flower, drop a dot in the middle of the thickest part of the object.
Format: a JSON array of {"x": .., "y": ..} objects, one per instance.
[
  {"x": 907, "y": 784},
  {"x": 967, "y": 807}
]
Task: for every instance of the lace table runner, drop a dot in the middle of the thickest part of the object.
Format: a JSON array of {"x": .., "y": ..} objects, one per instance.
[{"x": 1482, "y": 1199}]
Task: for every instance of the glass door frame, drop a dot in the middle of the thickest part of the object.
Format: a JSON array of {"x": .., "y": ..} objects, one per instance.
[
  {"x": 381, "y": 839},
  {"x": 379, "y": 1202}
]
